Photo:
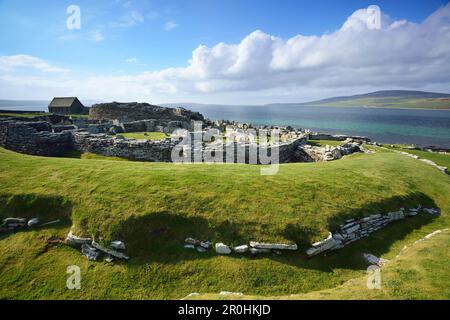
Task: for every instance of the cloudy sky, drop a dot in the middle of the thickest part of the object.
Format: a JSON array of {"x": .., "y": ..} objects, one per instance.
[{"x": 225, "y": 52}]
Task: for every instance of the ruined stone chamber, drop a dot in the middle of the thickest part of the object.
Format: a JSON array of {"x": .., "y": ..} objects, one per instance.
[
  {"x": 34, "y": 137},
  {"x": 139, "y": 150}
]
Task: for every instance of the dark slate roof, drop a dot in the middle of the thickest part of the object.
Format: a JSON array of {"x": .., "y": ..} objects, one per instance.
[{"x": 62, "y": 102}]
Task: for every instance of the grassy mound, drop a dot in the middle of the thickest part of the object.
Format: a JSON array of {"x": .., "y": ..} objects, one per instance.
[{"x": 154, "y": 206}]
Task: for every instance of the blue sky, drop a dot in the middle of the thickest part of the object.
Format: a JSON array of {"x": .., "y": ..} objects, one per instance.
[{"x": 121, "y": 38}]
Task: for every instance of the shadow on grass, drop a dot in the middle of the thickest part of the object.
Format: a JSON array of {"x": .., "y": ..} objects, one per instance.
[
  {"x": 159, "y": 237},
  {"x": 45, "y": 207},
  {"x": 377, "y": 243}
]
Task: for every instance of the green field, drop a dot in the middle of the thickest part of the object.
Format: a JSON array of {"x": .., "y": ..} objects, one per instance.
[
  {"x": 146, "y": 135},
  {"x": 37, "y": 114},
  {"x": 324, "y": 143},
  {"x": 154, "y": 206},
  {"x": 441, "y": 159}
]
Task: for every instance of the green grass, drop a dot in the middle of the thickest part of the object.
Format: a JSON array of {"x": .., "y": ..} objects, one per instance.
[
  {"x": 146, "y": 135},
  {"x": 154, "y": 206},
  {"x": 36, "y": 114},
  {"x": 323, "y": 143},
  {"x": 23, "y": 115},
  {"x": 419, "y": 265},
  {"x": 442, "y": 159},
  {"x": 90, "y": 156}
]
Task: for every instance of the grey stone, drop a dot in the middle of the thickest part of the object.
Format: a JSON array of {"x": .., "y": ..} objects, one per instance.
[
  {"x": 241, "y": 249},
  {"x": 73, "y": 240},
  {"x": 191, "y": 241},
  {"x": 119, "y": 245},
  {"x": 112, "y": 252},
  {"x": 258, "y": 251},
  {"x": 222, "y": 248},
  {"x": 277, "y": 246},
  {"x": 373, "y": 260},
  {"x": 90, "y": 252},
  {"x": 33, "y": 222},
  {"x": 352, "y": 229},
  {"x": 206, "y": 244}
]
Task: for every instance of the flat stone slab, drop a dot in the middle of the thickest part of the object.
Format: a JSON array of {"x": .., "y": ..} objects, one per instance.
[{"x": 273, "y": 246}]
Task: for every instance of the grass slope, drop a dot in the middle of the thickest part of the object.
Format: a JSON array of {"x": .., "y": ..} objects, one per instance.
[
  {"x": 418, "y": 265},
  {"x": 154, "y": 206}
]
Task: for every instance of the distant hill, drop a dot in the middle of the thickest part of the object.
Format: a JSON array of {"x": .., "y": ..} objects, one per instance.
[{"x": 385, "y": 99}]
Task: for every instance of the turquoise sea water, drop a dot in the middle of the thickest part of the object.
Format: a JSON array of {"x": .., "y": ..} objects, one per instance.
[{"x": 422, "y": 127}]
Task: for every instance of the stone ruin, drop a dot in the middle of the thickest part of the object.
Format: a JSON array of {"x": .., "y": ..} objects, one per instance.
[
  {"x": 55, "y": 135},
  {"x": 134, "y": 111},
  {"x": 328, "y": 153}
]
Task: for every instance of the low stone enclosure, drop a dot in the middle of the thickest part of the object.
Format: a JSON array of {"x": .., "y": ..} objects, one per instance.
[
  {"x": 350, "y": 231},
  {"x": 47, "y": 138}
]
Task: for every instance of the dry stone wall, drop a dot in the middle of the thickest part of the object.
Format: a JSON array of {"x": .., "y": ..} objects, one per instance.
[
  {"x": 355, "y": 229},
  {"x": 140, "y": 111},
  {"x": 140, "y": 150},
  {"x": 34, "y": 138}
]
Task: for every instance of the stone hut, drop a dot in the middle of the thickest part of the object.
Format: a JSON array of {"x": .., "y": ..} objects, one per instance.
[{"x": 66, "y": 105}]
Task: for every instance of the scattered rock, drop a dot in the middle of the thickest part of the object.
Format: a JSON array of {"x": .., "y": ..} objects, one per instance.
[
  {"x": 191, "y": 241},
  {"x": 112, "y": 252},
  {"x": 432, "y": 211},
  {"x": 189, "y": 246},
  {"x": 50, "y": 223},
  {"x": 90, "y": 252},
  {"x": 73, "y": 240},
  {"x": 33, "y": 222},
  {"x": 8, "y": 221},
  {"x": 373, "y": 260},
  {"x": 241, "y": 249},
  {"x": 201, "y": 249},
  {"x": 118, "y": 245},
  {"x": 206, "y": 244},
  {"x": 222, "y": 248},
  {"x": 275, "y": 246}
]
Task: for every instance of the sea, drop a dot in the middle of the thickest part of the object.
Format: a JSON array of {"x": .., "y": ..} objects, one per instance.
[{"x": 403, "y": 126}]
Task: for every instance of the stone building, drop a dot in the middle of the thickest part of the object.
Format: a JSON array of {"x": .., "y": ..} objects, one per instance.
[{"x": 66, "y": 105}]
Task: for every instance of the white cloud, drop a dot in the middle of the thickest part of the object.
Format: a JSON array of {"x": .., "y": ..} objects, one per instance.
[
  {"x": 369, "y": 52},
  {"x": 10, "y": 64},
  {"x": 97, "y": 36},
  {"x": 170, "y": 25}
]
